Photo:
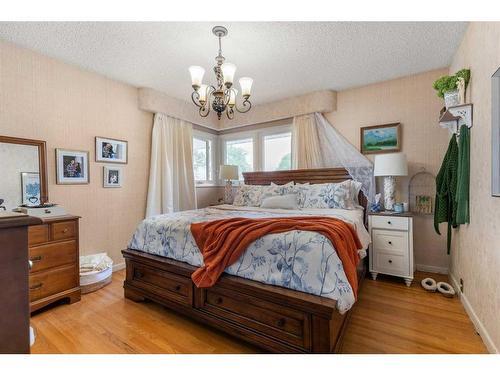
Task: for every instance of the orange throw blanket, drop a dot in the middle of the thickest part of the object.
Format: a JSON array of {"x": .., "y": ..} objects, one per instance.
[{"x": 222, "y": 242}]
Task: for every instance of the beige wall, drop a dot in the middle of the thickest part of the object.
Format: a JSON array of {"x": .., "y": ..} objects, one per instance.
[
  {"x": 475, "y": 252},
  {"x": 412, "y": 102},
  {"x": 42, "y": 98}
]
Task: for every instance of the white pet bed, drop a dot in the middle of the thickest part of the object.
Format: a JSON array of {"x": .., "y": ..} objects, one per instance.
[{"x": 95, "y": 272}]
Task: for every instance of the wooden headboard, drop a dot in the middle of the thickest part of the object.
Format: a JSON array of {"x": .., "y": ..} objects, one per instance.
[{"x": 313, "y": 176}]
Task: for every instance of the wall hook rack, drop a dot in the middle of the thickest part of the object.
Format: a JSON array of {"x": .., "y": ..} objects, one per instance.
[{"x": 454, "y": 117}]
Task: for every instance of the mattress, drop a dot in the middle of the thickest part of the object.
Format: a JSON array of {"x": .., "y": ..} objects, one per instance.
[{"x": 298, "y": 260}]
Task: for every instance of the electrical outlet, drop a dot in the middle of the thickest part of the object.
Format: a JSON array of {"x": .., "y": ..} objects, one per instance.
[{"x": 461, "y": 285}]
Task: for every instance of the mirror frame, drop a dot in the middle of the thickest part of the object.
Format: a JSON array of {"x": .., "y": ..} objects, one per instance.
[{"x": 42, "y": 161}]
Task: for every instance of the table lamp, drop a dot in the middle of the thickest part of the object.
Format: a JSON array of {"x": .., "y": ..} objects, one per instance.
[
  {"x": 228, "y": 173},
  {"x": 389, "y": 166}
]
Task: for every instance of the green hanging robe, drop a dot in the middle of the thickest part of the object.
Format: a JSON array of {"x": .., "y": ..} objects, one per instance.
[
  {"x": 452, "y": 185},
  {"x": 463, "y": 176},
  {"x": 446, "y": 187}
]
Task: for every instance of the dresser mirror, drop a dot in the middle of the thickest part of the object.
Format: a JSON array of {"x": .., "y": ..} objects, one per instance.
[{"x": 23, "y": 172}]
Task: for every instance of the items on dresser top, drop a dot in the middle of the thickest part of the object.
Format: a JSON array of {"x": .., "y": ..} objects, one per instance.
[
  {"x": 14, "y": 299},
  {"x": 391, "y": 250},
  {"x": 45, "y": 210},
  {"x": 53, "y": 251}
]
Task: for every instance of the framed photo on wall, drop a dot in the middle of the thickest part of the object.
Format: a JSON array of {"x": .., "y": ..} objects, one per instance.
[
  {"x": 112, "y": 177},
  {"x": 109, "y": 150},
  {"x": 30, "y": 187},
  {"x": 381, "y": 139},
  {"x": 72, "y": 167}
]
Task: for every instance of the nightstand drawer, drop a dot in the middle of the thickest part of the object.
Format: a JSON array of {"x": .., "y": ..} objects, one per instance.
[
  {"x": 390, "y": 241},
  {"x": 391, "y": 264},
  {"x": 390, "y": 222}
]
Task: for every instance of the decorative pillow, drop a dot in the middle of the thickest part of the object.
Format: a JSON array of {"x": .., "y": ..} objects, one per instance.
[
  {"x": 249, "y": 195},
  {"x": 301, "y": 191},
  {"x": 273, "y": 189},
  {"x": 331, "y": 195},
  {"x": 286, "y": 202},
  {"x": 355, "y": 188}
]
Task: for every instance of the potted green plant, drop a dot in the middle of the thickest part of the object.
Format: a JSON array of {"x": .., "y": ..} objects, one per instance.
[{"x": 447, "y": 87}]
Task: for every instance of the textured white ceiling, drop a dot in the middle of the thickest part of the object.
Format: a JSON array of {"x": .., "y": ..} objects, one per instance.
[{"x": 284, "y": 58}]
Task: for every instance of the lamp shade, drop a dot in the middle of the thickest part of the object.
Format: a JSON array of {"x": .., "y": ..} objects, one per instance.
[
  {"x": 246, "y": 86},
  {"x": 229, "y": 172},
  {"x": 391, "y": 165},
  {"x": 228, "y": 71},
  {"x": 197, "y": 73}
]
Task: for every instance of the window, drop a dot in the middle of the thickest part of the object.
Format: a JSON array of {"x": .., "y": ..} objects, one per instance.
[
  {"x": 240, "y": 152},
  {"x": 202, "y": 159},
  {"x": 277, "y": 152}
]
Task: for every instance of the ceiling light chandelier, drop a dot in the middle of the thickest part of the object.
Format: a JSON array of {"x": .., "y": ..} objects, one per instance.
[{"x": 223, "y": 97}]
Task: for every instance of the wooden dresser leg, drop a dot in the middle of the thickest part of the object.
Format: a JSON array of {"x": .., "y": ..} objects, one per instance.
[{"x": 75, "y": 296}]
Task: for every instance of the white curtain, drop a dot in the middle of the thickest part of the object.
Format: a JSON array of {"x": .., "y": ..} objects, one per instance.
[
  {"x": 171, "y": 176},
  {"x": 317, "y": 144},
  {"x": 306, "y": 149}
]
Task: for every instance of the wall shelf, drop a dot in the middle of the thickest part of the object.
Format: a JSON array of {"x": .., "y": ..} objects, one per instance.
[{"x": 454, "y": 117}]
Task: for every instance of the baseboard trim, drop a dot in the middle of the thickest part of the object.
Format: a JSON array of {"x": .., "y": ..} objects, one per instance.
[
  {"x": 118, "y": 266},
  {"x": 473, "y": 317},
  {"x": 433, "y": 269}
]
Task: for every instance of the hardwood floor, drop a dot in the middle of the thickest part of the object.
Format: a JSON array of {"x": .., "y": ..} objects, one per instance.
[{"x": 388, "y": 318}]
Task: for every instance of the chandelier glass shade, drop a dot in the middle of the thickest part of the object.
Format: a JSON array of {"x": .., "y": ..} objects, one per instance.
[{"x": 222, "y": 97}]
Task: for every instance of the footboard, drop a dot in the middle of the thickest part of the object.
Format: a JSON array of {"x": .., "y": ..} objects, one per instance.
[{"x": 276, "y": 319}]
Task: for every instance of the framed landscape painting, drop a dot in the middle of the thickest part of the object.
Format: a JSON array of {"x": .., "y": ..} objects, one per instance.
[{"x": 381, "y": 139}]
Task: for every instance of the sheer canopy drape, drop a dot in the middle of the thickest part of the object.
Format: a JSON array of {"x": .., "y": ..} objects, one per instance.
[
  {"x": 171, "y": 175},
  {"x": 317, "y": 144}
]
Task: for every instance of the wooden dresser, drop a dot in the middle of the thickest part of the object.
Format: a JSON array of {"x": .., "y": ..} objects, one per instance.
[
  {"x": 14, "y": 302},
  {"x": 54, "y": 253}
]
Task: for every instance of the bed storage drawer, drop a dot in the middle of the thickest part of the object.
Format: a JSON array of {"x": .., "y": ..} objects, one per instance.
[
  {"x": 278, "y": 321},
  {"x": 174, "y": 287}
]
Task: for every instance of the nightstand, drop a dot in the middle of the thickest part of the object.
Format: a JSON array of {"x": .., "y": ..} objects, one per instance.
[{"x": 391, "y": 250}]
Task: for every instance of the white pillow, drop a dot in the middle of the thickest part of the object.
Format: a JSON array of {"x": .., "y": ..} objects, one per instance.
[
  {"x": 286, "y": 202},
  {"x": 274, "y": 189}
]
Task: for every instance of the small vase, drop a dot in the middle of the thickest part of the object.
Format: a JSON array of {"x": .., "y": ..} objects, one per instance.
[{"x": 451, "y": 98}]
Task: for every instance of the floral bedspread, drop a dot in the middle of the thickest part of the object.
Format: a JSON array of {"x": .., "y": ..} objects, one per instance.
[{"x": 299, "y": 260}]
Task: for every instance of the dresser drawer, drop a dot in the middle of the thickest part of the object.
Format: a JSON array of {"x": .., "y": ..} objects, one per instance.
[
  {"x": 46, "y": 283},
  {"x": 53, "y": 255},
  {"x": 391, "y": 264},
  {"x": 389, "y": 222},
  {"x": 281, "y": 322},
  {"x": 174, "y": 287},
  {"x": 390, "y": 241},
  {"x": 63, "y": 230},
  {"x": 38, "y": 234}
]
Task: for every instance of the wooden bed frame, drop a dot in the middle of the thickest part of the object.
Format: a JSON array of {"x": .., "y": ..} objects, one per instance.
[{"x": 276, "y": 319}]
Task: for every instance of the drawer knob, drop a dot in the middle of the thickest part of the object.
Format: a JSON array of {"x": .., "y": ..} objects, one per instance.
[
  {"x": 390, "y": 260},
  {"x": 138, "y": 274},
  {"x": 36, "y": 259},
  {"x": 389, "y": 222},
  {"x": 36, "y": 286},
  {"x": 219, "y": 300},
  {"x": 281, "y": 322},
  {"x": 65, "y": 230},
  {"x": 177, "y": 287},
  {"x": 390, "y": 242}
]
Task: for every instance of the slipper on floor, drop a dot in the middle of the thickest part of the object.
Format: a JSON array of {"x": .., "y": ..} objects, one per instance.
[
  {"x": 445, "y": 289},
  {"x": 429, "y": 284}
]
